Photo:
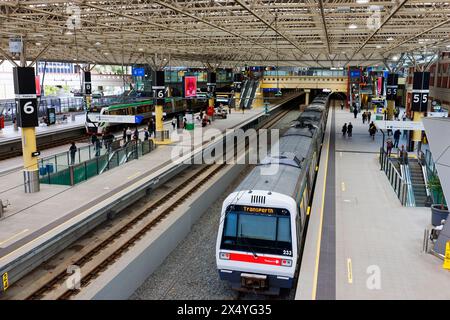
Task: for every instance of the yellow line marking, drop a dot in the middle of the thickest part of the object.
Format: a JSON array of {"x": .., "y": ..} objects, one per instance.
[
  {"x": 14, "y": 236},
  {"x": 343, "y": 186},
  {"x": 133, "y": 175},
  {"x": 349, "y": 270},
  {"x": 319, "y": 238},
  {"x": 308, "y": 210}
]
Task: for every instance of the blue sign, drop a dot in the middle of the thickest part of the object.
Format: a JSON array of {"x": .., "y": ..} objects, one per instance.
[
  {"x": 138, "y": 72},
  {"x": 355, "y": 73},
  {"x": 138, "y": 119}
]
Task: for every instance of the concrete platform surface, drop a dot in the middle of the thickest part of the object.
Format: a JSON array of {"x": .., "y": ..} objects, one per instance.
[{"x": 365, "y": 245}]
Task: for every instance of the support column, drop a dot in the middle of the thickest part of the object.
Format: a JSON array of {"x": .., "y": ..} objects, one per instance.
[
  {"x": 419, "y": 103},
  {"x": 259, "y": 99},
  {"x": 307, "y": 97},
  {"x": 391, "y": 94},
  {"x": 212, "y": 94},
  {"x": 87, "y": 89},
  {"x": 390, "y": 109},
  {"x": 237, "y": 84},
  {"x": 27, "y": 119},
  {"x": 161, "y": 135}
]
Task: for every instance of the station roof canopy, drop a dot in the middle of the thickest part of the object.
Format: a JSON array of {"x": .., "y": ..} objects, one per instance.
[{"x": 226, "y": 33}]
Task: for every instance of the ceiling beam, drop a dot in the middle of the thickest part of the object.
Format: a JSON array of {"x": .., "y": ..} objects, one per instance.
[
  {"x": 324, "y": 24},
  {"x": 246, "y": 7}
]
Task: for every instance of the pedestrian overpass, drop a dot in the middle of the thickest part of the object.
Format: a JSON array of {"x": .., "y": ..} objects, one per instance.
[{"x": 305, "y": 83}]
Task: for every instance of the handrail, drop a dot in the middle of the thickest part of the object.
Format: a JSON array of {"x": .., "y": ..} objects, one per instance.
[{"x": 411, "y": 199}]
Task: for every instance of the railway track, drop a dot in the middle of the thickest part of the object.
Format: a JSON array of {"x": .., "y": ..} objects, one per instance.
[{"x": 121, "y": 237}]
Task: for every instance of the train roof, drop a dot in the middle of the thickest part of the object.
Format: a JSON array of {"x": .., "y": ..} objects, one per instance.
[{"x": 294, "y": 147}]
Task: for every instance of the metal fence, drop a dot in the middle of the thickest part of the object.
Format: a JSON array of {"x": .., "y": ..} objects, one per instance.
[
  {"x": 90, "y": 162},
  {"x": 395, "y": 177}
]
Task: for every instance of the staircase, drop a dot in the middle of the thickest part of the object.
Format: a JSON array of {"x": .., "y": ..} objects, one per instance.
[{"x": 418, "y": 183}]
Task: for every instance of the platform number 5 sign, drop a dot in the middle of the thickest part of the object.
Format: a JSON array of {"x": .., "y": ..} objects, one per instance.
[{"x": 5, "y": 281}]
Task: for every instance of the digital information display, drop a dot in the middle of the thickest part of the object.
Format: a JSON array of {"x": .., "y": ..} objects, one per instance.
[{"x": 190, "y": 86}]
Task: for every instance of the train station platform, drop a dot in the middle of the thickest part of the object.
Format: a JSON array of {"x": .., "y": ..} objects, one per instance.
[
  {"x": 9, "y": 134},
  {"x": 361, "y": 243},
  {"x": 32, "y": 220}
]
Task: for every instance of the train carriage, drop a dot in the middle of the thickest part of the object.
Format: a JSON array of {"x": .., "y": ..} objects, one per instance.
[
  {"x": 143, "y": 108},
  {"x": 262, "y": 221}
]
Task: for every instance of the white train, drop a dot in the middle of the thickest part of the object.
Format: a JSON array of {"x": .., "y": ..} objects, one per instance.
[{"x": 262, "y": 221}]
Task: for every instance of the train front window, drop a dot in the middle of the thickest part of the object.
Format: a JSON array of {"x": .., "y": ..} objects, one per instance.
[{"x": 258, "y": 232}]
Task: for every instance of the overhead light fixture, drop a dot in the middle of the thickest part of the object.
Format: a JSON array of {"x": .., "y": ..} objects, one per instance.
[
  {"x": 390, "y": 39},
  {"x": 362, "y": 1},
  {"x": 105, "y": 53},
  {"x": 395, "y": 58},
  {"x": 38, "y": 43},
  {"x": 448, "y": 46},
  {"x": 353, "y": 26},
  {"x": 69, "y": 32},
  {"x": 140, "y": 49},
  {"x": 378, "y": 46},
  {"x": 97, "y": 43}
]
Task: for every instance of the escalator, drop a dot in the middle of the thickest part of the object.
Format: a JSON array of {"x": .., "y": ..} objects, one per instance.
[
  {"x": 251, "y": 95},
  {"x": 119, "y": 156},
  {"x": 418, "y": 183},
  {"x": 244, "y": 93}
]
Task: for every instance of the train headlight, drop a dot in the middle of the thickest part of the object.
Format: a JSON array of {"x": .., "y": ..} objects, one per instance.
[
  {"x": 224, "y": 256},
  {"x": 286, "y": 263}
]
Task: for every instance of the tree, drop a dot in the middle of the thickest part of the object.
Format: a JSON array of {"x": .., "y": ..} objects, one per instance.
[{"x": 434, "y": 185}]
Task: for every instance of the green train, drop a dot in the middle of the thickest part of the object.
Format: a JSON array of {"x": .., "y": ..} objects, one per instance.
[{"x": 143, "y": 108}]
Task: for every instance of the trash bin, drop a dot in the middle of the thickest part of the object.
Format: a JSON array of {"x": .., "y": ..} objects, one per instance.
[
  {"x": 42, "y": 171},
  {"x": 49, "y": 167}
]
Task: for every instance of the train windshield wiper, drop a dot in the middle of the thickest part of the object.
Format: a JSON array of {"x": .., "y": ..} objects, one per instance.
[{"x": 247, "y": 244}]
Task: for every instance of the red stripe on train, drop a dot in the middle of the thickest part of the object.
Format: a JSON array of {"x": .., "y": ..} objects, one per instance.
[{"x": 252, "y": 259}]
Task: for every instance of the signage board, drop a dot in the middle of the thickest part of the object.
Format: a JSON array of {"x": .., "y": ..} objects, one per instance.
[
  {"x": 26, "y": 102},
  {"x": 420, "y": 91},
  {"x": 402, "y": 125},
  {"x": 138, "y": 72},
  {"x": 437, "y": 114},
  {"x": 190, "y": 86},
  {"x": 115, "y": 119}
]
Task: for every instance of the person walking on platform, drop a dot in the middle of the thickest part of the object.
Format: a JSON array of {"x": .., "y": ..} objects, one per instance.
[
  {"x": 124, "y": 134},
  {"x": 344, "y": 130},
  {"x": 403, "y": 156},
  {"x": 174, "y": 123},
  {"x": 355, "y": 110},
  {"x": 146, "y": 134},
  {"x": 397, "y": 134},
  {"x": 72, "y": 151},
  {"x": 129, "y": 133},
  {"x": 372, "y": 130},
  {"x": 136, "y": 134},
  {"x": 94, "y": 139},
  {"x": 342, "y": 106},
  {"x": 349, "y": 129},
  {"x": 364, "y": 117},
  {"x": 389, "y": 146},
  {"x": 368, "y": 116},
  {"x": 98, "y": 146}
]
